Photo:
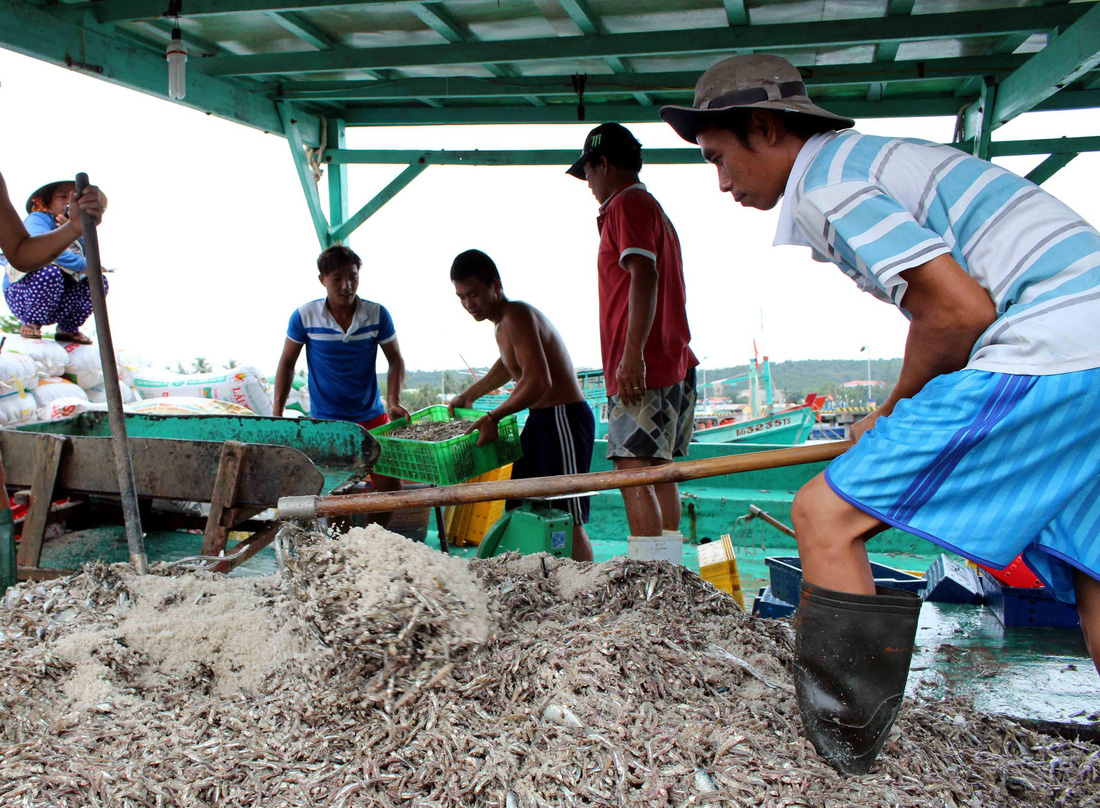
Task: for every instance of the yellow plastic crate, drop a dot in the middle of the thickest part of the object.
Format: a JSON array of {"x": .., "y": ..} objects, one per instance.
[
  {"x": 718, "y": 567},
  {"x": 468, "y": 524}
]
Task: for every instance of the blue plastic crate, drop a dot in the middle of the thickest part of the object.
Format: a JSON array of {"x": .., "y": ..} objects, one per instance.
[
  {"x": 951, "y": 581},
  {"x": 785, "y": 573},
  {"x": 1017, "y": 606},
  {"x": 767, "y": 605}
]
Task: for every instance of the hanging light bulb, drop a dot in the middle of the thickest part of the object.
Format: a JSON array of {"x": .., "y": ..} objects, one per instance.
[{"x": 177, "y": 61}]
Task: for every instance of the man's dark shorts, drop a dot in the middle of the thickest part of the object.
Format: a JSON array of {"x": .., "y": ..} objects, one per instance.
[{"x": 558, "y": 440}]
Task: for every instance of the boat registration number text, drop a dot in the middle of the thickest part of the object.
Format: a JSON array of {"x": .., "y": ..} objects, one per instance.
[{"x": 775, "y": 423}]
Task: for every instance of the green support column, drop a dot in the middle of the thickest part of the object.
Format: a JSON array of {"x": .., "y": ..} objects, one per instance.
[
  {"x": 341, "y": 233},
  {"x": 337, "y": 174},
  {"x": 983, "y": 120},
  {"x": 305, "y": 174},
  {"x": 1049, "y": 167}
]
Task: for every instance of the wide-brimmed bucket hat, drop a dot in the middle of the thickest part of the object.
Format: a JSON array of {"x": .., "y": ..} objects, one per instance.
[
  {"x": 46, "y": 192},
  {"x": 756, "y": 81}
]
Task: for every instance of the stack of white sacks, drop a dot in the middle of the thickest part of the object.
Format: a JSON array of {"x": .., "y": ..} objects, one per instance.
[{"x": 42, "y": 380}]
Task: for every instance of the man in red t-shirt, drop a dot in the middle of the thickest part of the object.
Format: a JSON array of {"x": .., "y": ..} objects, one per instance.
[{"x": 648, "y": 367}]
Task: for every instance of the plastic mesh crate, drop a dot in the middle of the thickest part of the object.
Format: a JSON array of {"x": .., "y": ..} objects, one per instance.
[{"x": 444, "y": 462}]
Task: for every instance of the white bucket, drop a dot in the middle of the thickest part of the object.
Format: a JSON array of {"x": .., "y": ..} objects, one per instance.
[{"x": 656, "y": 548}]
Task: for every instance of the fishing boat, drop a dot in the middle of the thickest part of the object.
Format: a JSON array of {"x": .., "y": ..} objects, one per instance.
[{"x": 789, "y": 426}]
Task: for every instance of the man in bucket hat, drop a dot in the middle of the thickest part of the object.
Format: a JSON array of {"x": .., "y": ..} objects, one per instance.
[
  {"x": 988, "y": 443},
  {"x": 649, "y": 370}
]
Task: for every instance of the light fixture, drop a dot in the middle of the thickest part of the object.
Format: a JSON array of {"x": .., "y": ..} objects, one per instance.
[{"x": 176, "y": 55}]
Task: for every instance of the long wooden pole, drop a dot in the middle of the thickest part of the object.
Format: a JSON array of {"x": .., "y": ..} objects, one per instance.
[
  {"x": 466, "y": 493},
  {"x": 127, "y": 487}
]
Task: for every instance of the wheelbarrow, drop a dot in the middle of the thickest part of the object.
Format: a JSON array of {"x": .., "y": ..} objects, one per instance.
[{"x": 240, "y": 465}]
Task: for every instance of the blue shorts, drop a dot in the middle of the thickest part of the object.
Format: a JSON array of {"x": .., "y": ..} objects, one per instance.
[{"x": 989, "y": 465}]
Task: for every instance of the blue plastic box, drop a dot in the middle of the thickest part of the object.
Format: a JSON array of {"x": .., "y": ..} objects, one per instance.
[
  {"x": 785, "y": 573},
  {"x": 1019, "y": 606},
  {"x": 767, "y": 605},
  {"x": 951, "y": 581}
]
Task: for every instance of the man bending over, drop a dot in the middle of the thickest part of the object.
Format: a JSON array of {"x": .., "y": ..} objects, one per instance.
[{"x": 560, "y": 428}]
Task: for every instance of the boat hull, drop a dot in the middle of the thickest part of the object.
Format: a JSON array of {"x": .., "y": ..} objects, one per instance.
[{"x": 788, "y": 428}]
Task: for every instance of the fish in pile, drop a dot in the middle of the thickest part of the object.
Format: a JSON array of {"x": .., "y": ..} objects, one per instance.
[{"x": 381, "y": 673}]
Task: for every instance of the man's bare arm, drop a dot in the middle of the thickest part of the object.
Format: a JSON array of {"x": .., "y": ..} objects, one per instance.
[
  {"x": 642, "y": 307},
  {"x": 497, "y": 376},
  {"x": 395, "y": 380},
  {"x": 284, "y": 375},
  {"x": 26, "y": 252},
  {"x": 948, "y": 312},
  {"x": 521, "y": 332}
]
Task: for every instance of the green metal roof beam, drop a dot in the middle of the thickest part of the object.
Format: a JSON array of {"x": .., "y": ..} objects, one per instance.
[
  {"x": 340, "y": 234},
  {"x": 589, "y": 24},
  {"x": 736, "y": 13},
  {"x": 1055, "y": 145},
  {"x": 57, "y": 40},
  {"x": 305, "y": 174},
  {"x": 1068, "y": 57},
  {"x": 437, "y": 18},
  {"x": 605, "y": 84},
  {"x": 509, "y": 157},
  {"x": 303, "y": 29},
  {"x": 900, "y": 107},
  {"x": 1049, "y": 167},
  {"x": 131, "y": 10},
  {"x": 888, "y": 51},
  {"x": 717, "y": 40}
]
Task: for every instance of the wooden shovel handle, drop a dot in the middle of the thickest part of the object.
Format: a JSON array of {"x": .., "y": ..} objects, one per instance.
[{"x": 381, "y": 501}]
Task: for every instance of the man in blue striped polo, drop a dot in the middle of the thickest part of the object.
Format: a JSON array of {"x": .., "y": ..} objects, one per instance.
[
  {"x": 342, "y": 334},
  {"x": 988, "y": 445}
]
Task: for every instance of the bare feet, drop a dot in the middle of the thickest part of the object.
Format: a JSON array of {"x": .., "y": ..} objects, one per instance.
[{"x": 30, "y": 331}]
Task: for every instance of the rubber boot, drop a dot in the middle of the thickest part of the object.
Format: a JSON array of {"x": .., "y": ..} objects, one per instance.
[{"x": 852, "y": 655}]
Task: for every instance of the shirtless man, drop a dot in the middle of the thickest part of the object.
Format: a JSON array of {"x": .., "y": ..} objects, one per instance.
[{"x": 560, "y": 428}]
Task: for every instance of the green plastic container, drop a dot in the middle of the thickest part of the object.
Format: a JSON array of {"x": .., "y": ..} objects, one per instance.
[
  {"x": 444, "y": 462},
  {"x": 534, "y": 527},
  {"x": 7, "y": 550}
]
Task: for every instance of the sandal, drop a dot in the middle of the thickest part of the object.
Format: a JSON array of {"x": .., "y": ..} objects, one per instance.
[
  {"x": 77, "y": 337},
  {"x": 30, "y": 331}
]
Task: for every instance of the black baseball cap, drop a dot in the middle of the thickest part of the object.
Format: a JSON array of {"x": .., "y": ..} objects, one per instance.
[{"x": 606, "y": 140}]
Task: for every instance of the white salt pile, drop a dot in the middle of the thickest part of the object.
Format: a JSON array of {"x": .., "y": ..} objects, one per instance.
[{"x": 391, "y": 675}]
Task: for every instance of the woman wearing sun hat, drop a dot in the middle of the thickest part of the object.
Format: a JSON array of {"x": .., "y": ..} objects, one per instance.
[{"x": 58, "y": 291}]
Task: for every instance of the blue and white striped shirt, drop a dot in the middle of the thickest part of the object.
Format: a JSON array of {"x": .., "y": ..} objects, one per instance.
[
  {"x": 878, "y": 206},
  {"x": 343, "y": 383}
]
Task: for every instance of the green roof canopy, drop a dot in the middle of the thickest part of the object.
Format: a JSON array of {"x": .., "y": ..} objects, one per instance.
[{"x": 307, "y": 69}]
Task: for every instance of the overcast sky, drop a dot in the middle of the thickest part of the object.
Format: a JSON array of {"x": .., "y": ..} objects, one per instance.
[{"x": 214, "y": 247}]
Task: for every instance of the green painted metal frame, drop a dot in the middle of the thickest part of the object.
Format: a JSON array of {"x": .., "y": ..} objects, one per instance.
[
  {"x": 1069, "y": 56},
  {"x": 829, "y": 33},
  {"x": 87, "y": 36},
  {"x": 305, "y": 173},
  {"x": 75, "y": 39},
  {"x": 490, "y": 157}
]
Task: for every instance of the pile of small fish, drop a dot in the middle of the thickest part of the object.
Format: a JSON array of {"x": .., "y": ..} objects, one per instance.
[
  {"x": 431, "y": 431},
  {"x": 623, "y": 683}
]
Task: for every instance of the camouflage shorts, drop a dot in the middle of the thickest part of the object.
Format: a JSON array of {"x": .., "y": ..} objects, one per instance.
[{"x": 658, "y": 427}]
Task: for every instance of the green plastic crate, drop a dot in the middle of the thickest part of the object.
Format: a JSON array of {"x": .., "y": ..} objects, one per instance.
[{"x": 444, "y": 462}]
